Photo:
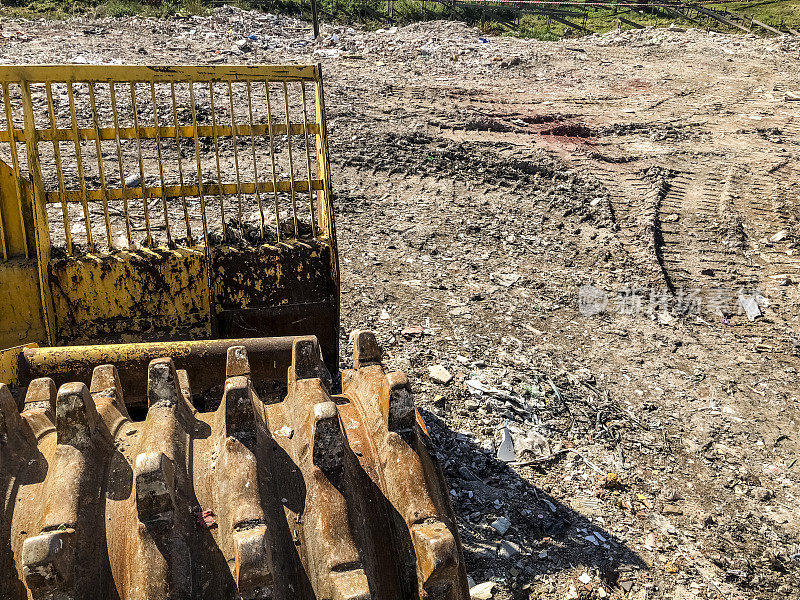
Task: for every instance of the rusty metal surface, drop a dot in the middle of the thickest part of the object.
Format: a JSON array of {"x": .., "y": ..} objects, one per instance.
[
  {"x": 316, "y": 496},
  {"x": 205, "y": 361}
]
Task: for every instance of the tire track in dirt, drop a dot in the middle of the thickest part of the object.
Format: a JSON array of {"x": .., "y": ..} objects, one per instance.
[
  {"x": 701, "y": 245},
  {"x": 633, "y": 199},
  {"x": 768, "y": 200}
]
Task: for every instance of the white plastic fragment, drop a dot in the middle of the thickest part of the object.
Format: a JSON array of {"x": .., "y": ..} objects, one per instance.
[{"x": 506, "y": 452}]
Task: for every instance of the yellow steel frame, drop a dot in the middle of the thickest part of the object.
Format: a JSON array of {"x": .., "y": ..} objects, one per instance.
[{"x": 25, "y": 241}]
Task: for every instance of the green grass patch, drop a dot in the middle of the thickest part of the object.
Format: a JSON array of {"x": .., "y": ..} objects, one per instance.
[
  {"x": 503, "y": 20},
  {"x": 782, "y": 14},
  {"x": 60, "y": 9}
]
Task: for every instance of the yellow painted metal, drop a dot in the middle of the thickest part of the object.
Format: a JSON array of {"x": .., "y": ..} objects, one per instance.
[
  {"x": 14, "y": 191},
  {"x": 154, "y": 293},
  {"x": 10, "y": 362},
  {"x": 176, "y": 191},
  {"x": 164, "y": 131},
  {"x": 40, "y": 228},
  {"x": 160, "y": 73},
  {"x": 128, "y": 296},
  {"x": 21, "y": 318},
  {"x": 324, "y": 203}
]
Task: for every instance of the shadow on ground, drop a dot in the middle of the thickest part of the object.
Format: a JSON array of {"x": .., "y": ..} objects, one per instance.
[{"x": 545, "y": 536}]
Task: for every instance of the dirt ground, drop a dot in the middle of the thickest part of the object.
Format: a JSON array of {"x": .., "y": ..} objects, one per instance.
[{"x": 576, "y": 231}]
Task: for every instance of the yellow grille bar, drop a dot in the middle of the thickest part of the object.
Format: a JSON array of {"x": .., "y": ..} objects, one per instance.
[
  {"x": 127, "y": 156},
  {"x": 160, "y": 73}
]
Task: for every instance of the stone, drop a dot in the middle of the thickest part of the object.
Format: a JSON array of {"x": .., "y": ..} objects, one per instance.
[
  {"x": 501, "y": 525},
  {"x": 482, "y": 591},
  {"x": 439, "y": 374},
  {"x": 508, "y": 549}
]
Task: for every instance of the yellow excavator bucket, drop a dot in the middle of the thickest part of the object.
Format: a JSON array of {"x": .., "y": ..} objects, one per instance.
[
  {"x": 163, "y": 203},
  {"x": 172, "y": 419}
]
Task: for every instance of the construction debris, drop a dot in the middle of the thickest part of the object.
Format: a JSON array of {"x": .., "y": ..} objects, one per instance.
[{"x": 442, "y": 179}]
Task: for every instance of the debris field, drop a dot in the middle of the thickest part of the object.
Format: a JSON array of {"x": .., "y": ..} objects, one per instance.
[{"x": 585, "y": 256}]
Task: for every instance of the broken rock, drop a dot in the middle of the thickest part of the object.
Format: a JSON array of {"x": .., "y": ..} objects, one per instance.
[
  {"x": 508, "y": 549},
  {"x": 501, "y": 525},
  {"x": 439, "y": 374},
  {"x": 482, "y": 591}
]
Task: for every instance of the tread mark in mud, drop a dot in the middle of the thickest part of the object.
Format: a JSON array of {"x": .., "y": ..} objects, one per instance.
[{"x": 700, "y": 230}]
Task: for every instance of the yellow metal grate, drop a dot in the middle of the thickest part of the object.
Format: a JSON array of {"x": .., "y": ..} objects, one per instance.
[{"x": 122, "y": 157}]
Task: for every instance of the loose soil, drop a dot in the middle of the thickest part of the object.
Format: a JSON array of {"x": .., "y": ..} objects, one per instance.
[{"x": 493, "y": 194}]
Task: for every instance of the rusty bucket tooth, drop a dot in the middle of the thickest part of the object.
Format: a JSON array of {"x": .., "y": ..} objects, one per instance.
[
  {"x": 76, "y": 416},
  {"x": 350, "y": 585},
  {"x": 236, "y": 363},
  {"x": 106, "y": 390},
  {"x": 161, "y": 444},
  {"x": 399, "y": 410},
  {"x": 330, "y": 554},
  {"x": 251, "y": 564},
  {"x": 366, "y": 350},
  {"x": 237, "y": 409},
  {"x": 71, "y": 507},
  {"x": 437, "y": 557},
  {"x": 154, "y": 476},
  {"x": 162, "y": 383},
  {"x": 39, "y": 407},
  {"x": 186, "y": 388},
  {"x": 307, "y": 361},
  {"x": 400, "y": 464},
  {"x": 159, "y": 516},
  {"x": 105, "y": 380},
  {"x": 328, "y": 445},
  {"x": 48, "y": 563},
  {"x": 244, "y": 538},
  {"x": 41, "y": 395}
]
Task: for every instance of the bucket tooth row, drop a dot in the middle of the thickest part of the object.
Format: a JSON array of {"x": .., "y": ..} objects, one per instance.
[
  {"x": 316, "y": 496},
  {"x": 317, "y": 448},
  {"x": 406, "y": 474}
]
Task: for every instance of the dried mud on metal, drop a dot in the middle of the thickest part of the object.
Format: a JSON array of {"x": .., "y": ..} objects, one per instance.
[{"x": 584, "y": 254}]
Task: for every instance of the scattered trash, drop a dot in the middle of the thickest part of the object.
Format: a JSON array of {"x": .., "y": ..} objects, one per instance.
[
  {"x": 585, "y": 578},
  {"x": 327, "y": 52},
  {"x": 532, "y": 443},
  {"x": 206, "y": 519},
  {"x": 752, "y": 303},
  {"x": 505, "y": 452},
  {"x": 780, "y": 236}
]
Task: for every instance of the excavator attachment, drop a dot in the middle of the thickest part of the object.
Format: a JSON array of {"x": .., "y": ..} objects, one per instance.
[
  {"x": 172, "y": 420},
  {"x": 310, "y": 495},
  {"x": 165, "y": 203}
]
